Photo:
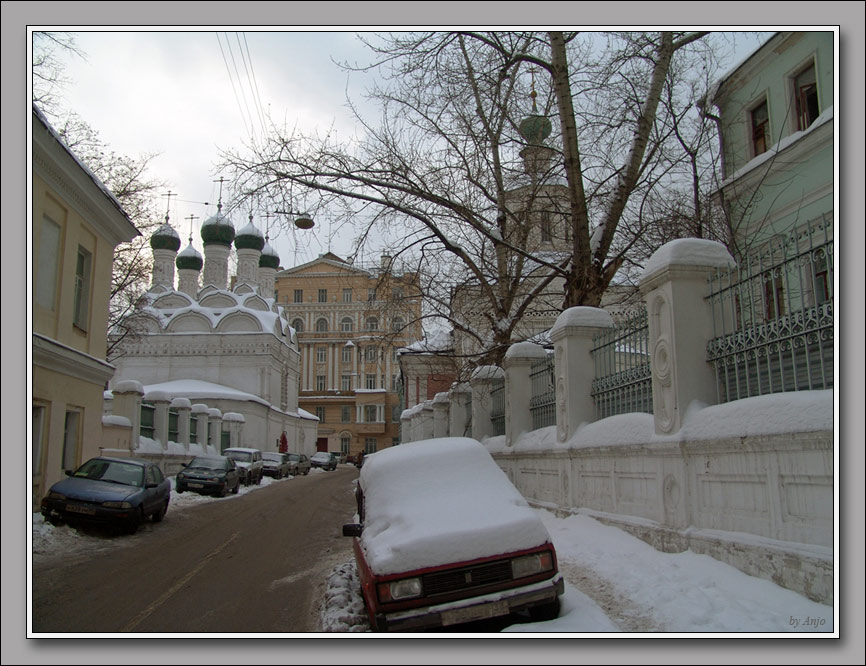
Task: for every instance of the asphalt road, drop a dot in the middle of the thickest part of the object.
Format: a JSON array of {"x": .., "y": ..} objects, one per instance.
[{"x": 257, "y": 563}]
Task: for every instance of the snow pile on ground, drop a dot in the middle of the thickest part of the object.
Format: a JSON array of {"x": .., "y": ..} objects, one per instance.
[
  {"x": 439, "y": 501},
  {"x": 618, "y": 583}
]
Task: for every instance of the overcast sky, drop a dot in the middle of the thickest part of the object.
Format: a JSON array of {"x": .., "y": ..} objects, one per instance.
[{"x": 187, "y": 93}]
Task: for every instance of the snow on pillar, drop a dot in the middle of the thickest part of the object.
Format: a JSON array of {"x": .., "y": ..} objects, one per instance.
[
  {"x": 127, "y": 403},
  {"x": 235, "y": 423},
  {"x": 674, "y": 285},
  {"x": 160, "y": 400},
  {"x": 406, "y": 426},
  {"x": 460, "y": 410},
  {"x": 183, "y": 407},
  {"x": 572, "y": 336},
  {"x": 518, "y": 388},
  {"x": 215, "y": 427},
  {"x": 441, "y": 402},
  {"x": 200, "y": 411},
  {"x": 482, "y": 381}
]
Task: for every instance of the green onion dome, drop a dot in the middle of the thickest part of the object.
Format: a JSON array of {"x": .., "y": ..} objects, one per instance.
[
  {"x": 218, "y": 230},
  {"x": 165, "y": 238},
  {"x": 249, "y": 238},
  {"x": 269, "y": 258},
  {"x": 535, "y": 129},
  {"x": 189, "y": 258}
]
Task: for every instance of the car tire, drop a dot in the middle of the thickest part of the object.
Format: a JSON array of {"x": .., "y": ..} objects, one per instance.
[
  {"x": 545, "y": 612},
  {"x": 178, "y": 489},
  {"x": 159, "y": 515},
  {"x": 236, "y": 488},
  {"x": 259, "y": 480},
  {"x": 133, "y": 525},
  {"x": 223, "y": 491}
]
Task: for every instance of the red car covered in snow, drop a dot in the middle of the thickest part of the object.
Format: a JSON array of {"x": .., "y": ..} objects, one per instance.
[{"x": 443, "y": 537}]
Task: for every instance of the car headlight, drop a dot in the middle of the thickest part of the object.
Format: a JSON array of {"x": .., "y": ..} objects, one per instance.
[
  {"x": 397, "y": 590},
  {"x": 56, "y": 495},
  {"x": 117, "y": 505},
  {"x": 529, "y": 565}
]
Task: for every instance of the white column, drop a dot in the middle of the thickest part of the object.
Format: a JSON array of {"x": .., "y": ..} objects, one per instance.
[
  {"x": 674, "y": 285},
  {"x": 183, "y": 407},
  {"x": 160, "y": 400},
  {"x": 518, "y": 388},
  {"x": 127, "y": 403},
  {"x": 201, "y": 412},
  {"x": 459, "y": 411},
  {"x": 483, "y": 379},
  {"x": 572, "y": 336},
  {"x": 441, "y": 402}
]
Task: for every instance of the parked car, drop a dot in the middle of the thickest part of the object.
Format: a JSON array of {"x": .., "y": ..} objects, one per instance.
[
  {"x": 119, "y": 492},
  {"x": 301, "y": 462},
  {"x": 336, "y": 458},
  {"x": 276, "y": 464},
  {"x": 249, "y": 462},
  {"x": 443, "y": 537},
  {"x": 324, "y": 460},
  {"x": 209, "y": 474}
]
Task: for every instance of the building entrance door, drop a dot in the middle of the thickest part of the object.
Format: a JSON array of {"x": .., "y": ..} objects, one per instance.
[{"x": 322, "y": 444}]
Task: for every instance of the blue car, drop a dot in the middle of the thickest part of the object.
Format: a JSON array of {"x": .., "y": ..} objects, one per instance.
[{"x": 116, "y": 492}]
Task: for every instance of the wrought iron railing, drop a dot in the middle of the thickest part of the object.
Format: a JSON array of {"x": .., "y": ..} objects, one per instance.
[
  {"x": 497, "y": 408},
  {"x": 146, "y": 427},
  {"x": 542, "y": 405},
  {"x": 773, "y": 316},
  {"x": 623, "y": 382}
]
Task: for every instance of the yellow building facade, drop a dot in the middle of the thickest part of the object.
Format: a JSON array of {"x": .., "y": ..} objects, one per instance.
[
  {"x": 76, "y": 225},
  {"x": 350, "y": 322}
]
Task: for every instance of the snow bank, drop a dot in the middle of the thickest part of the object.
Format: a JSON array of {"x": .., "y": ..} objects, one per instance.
[{"x": 440, "y": 501}]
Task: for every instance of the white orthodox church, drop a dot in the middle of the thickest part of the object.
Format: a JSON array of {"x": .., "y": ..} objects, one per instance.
[{"x": 222, "y": 351}]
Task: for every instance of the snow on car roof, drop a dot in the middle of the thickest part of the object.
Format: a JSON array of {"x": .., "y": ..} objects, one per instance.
[{"x": 441, "y": 501}]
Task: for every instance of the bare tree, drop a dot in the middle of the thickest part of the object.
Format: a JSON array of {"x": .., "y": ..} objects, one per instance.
[{"x": 457, "y": 183}]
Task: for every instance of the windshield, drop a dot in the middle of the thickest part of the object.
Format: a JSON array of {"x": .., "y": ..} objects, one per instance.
[
  {"x": 322, "y": 456},
  {"x": 293, "y": 457},
  {"x": 126, "y": 474},
  {"x": 241, "y": 456},
  {"x": 207, "y": 463},
  {"x": 276, "y": 457}
]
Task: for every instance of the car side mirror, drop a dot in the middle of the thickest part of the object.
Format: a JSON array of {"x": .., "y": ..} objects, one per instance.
[
  {"x": 352, "y": 530},
  {"x": 69, "y": 472}
]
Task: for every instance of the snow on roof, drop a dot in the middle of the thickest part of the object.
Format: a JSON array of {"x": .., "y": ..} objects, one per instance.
[
  {"x": 688, "y": 252},
  {"x": 441, "y": 501},
  {"x": 196, "y": 389},
  {"x": 438, "y": 341}
]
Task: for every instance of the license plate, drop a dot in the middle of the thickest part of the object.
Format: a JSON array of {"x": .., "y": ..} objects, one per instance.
[
  {"x": 472, "y": 613},
  {"x": 196, "y": 485},
  {"x": 87, "y": 510}
]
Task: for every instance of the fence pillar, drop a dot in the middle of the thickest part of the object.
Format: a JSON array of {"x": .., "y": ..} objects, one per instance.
[
  {"x": 572, "y": 336},
  {"x": 459, "y": 412},
  {"x": 215, "y": 429},
  {"x": 235, "y": 423},
  {"x": 518, "y": 387},
  {"x": 406, "y": 426},
  {"x": 426, "y": 420},
  {"x": 441, "y": 403},
  {"x": 201, "y": 427},
  {"x": 482, "y": 381},
  {"x": 674, "y": 285},
  {"x": 183, "y": 407},
  {"x": 160, "y": 400},
  {"x": 127, "y": 402}
]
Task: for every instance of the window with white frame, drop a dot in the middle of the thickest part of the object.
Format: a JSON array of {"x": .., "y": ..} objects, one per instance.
[
  {"x": 71, "y": 439},
  {"x": 346, "y": 383},
  {"x": 370, "y": 414},
  {"x": 346, "y": 325},
  {"x": 81, "y": 306},
  {"x": 347, "y": 295},
  {"x": 322, "y": 325},
  {"x": 298, "y": 325},
  {"x": 45, "y": 276},
  {"x": 321, "y": 354},
  {"x": 346, "y": 414},
  {"x": 345, "y": 443},
  {"x": 370, "y": 381},
  {"x": 320, "y": 414},
  {"x": 371, "y": 294},
  {"x": 760, "y": 121},
  {"x": 806, "y": 97},
  {"x": 299, "y": 296},
  {"x": 323, "y": 295},
  {"x": 397, "y": 324},
  {"x": 372, "y": 323},
  {"x": 320, "y": 382},
  {"x": 371, "y": 354},
  {"x": 346, "y": 355},
  {"x": 370, "y": 445}
]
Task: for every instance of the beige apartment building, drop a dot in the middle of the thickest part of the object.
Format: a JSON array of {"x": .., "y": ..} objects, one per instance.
[
  {"x": 76, "y": 225},
  {"x": 350, "y": 322}
]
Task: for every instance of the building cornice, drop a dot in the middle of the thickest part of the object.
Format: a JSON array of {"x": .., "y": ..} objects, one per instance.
[{"x": 52, "y": 355}]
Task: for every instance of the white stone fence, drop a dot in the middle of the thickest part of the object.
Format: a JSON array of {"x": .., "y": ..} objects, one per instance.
[
  {"x": 122, "y": 411},
  {"x": 750, "y": 482}
]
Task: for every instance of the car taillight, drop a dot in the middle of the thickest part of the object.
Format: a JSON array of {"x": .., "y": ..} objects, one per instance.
[
  {"x": 397, "y": 590},
  {"x": 529, "y": 565}
]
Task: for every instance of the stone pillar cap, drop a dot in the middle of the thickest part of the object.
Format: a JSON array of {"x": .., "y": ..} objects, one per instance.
[
  {"x": 158, "y": 396},
  {"x": 525, "y": 350},
  {"x": 581, "y": 317},
  {"x": 234, "y": 416},
  {"x": 488, "y": 372},
  {"x": 200, "y": 408},
  {"x": 128, "y": 386},
  {"x": 693, "y": 252},
  {"x": 181, "y": 403},
  {"x": 213, "y": 411}
]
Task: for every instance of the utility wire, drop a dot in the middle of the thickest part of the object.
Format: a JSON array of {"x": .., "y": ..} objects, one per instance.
[{"x": 251, "y": 78}]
